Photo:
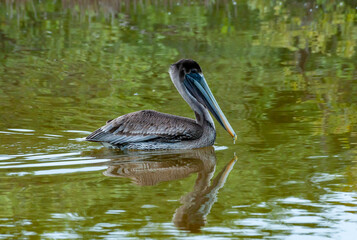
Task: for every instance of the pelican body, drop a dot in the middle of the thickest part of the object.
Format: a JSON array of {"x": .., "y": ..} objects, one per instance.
[{"x": 151, "y": 130}]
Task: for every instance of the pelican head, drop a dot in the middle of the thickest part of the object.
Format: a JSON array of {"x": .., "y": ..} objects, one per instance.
[{"x": 188, "y": 78}]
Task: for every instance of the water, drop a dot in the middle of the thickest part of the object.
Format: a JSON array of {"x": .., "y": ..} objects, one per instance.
[{"x": 283, "y": 72}]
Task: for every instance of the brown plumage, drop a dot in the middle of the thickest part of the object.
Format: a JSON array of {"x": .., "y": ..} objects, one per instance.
[
  {"x": 148, "y": 129},
  {"x": 147, "y": 125}
]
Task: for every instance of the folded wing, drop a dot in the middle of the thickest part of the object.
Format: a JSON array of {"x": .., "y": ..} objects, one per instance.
[{"x": 146, "y": 125}]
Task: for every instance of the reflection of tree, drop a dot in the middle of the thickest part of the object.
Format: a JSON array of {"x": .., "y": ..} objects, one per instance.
[
  {"x": 115, "y": 53},
  {"x": 320, "y": 33},
  {"x": 153, "y": 168},
  {"x": 317, "y": 23}
]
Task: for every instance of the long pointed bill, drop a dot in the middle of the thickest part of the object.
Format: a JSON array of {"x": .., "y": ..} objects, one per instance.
[{"x": 197, "y": 86}]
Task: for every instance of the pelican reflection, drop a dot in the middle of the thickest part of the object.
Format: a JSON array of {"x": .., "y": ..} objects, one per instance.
[
  {"x": 156, "y": 167},
  {"x": 197, "y": 204}
]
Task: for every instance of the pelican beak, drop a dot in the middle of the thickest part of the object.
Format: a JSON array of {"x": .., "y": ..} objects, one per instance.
[{"x": 197, "y": 86}]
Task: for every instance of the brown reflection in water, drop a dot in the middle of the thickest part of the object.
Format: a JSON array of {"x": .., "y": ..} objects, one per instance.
[
  {"x": 155, "y": 167},
  {"x": 197, "y": 204},
  {"x": 151, "y": 168}
]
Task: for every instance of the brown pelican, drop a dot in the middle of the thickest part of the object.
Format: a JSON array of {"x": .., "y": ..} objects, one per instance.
[{"x": 150, "y": 130}]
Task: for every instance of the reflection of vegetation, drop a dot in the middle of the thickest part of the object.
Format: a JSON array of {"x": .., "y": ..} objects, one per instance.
[
  {"x": 325, "y": 27},
  {"x": 105, "y": 52},
  {"x": 283, "y": 71},
  {"x": 115, "y": 53}
]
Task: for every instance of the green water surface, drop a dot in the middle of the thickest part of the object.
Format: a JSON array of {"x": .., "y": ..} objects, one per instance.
[{"x": 283, "y": 72}]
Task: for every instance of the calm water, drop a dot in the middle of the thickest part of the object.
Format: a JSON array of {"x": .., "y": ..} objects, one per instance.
[{"x": 284, "y": 73}]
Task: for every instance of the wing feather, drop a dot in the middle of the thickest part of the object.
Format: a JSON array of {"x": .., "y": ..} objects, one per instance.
[{"x": 144, "y": 126}]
